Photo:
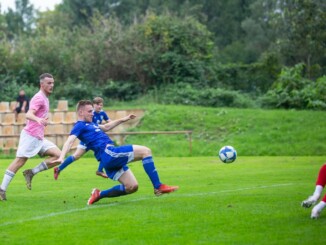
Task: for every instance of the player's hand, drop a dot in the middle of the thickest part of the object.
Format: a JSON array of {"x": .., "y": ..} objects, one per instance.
[
  {"x": 57, "y": 161},
  {"x": 101, "y": 174},
  {"x": 42, "y": 121},
  {"x": 131, "y": 116}
]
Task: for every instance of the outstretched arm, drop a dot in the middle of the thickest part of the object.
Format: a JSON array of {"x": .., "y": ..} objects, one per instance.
[
  {"x": 112, "y": 124},
  {"x": 66, "y": 148}
]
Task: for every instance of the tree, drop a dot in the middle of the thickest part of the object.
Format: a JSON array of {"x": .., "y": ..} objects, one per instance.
[
  {"x": 20, "y": 21},
  {"x": 301, "y": 26}
]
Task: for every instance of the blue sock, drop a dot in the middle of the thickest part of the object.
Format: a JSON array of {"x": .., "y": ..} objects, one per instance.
[
  {"x": 66, "y": 162},
  {"x": 150, "y": 169},
  {"x": 115, "y": 191}
]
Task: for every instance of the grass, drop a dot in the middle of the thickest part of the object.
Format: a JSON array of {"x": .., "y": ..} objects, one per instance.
[
  {"x": 253, "y": 132},
  {"x": 255, "y": 200}
]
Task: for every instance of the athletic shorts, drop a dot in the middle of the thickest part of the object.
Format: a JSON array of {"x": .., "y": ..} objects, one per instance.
[
  {"x": 115, "y": 159},
  {"x": 29, "y": 145},
  {"x": 82, "y": 145}
]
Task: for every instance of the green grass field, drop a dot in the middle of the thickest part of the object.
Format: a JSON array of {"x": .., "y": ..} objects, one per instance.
[{"x": 255, "y": 200}]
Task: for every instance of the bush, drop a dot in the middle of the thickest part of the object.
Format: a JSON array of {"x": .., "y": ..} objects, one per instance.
[
  {"x": 186, "y": 94},
  {"x": 121, "y": 90},
  {"x": 292, "y": 90}
]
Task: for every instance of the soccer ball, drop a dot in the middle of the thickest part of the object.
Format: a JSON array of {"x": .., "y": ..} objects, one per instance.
[{"x": 227, "y": 154}]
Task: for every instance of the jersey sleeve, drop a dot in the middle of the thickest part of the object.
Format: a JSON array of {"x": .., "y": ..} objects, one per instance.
[
  {"x": 76, "y": 130},
  {"x": 105, "y": 116}
]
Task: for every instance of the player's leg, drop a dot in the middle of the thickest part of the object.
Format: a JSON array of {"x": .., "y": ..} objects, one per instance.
[
  {"x": 316, "y": 211},
  {"x": 320, "y": 184},
  {"x": 10, "y": 174},
  {"x": 144, "y": 154},
  {"x": 52, "y": 152},
  {"x": 16, "y": 111},
  {"x": 128, "y": 185}
]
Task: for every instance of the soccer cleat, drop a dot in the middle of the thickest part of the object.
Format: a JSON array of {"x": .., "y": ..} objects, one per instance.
[
  {"x": 95, "y": 196},
  {"x": 308, "y": 202},
  {"x": 3, "y": 195},
  {"x": 56, "y": 173},
  {"x": 28, "y": 174},
  {"x": 163, "y": 189},
  {"x": 315, "y": 212}
]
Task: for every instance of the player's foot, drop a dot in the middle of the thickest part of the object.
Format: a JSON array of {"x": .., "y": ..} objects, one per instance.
[
  {"x": 28, "y": 174},
  {"x": 315, "y": 212},
  {"x": 3, "y": 195},
  {"x": 308, "y": 202},
  {"x": 165, "y": 189},
  {"x": 95, "y": 196},
  {"x": 56, "y": 173}
]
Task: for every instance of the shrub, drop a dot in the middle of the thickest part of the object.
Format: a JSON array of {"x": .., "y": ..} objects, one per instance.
[
  {"x": 186, "y": 94},
  {"x": 292, "y": 90}
]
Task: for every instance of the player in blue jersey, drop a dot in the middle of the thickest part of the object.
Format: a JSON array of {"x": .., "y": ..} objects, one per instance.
[
  {"x": 99, "y": 117},
  {"x": 113, "y": 159}
]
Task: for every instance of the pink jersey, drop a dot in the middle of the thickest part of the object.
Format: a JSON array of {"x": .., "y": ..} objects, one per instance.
[{"x": 39, "y": 103}]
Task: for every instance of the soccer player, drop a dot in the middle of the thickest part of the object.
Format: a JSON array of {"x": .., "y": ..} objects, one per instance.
[
  {"x": 114, "y": 159},
  {"x": 311, "y": 200},
  {"x": 32, "y": 139},
  {"x": 99, "y": 117}
]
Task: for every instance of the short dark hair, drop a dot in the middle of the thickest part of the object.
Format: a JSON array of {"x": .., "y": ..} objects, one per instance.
[
  {"x": 44, "y": 75},
  {"x": 83, "y": 103}
]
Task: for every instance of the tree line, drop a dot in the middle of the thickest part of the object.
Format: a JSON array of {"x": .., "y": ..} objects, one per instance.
[{"x": 240, "y": 53}]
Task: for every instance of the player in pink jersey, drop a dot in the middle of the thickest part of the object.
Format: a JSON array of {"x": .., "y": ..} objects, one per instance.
[{"x": 32, "y": 141}]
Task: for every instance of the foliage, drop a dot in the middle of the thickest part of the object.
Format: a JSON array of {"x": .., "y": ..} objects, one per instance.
[
  {"x": 121, "y": 91},
  {"x": 301, "y": 29},
  {"x": 145, "y": 46},
  {"x": 255, "y": 78},
  {"x": 292, "y": 90},
  {"x": 170, "y": 50},
  {"x": 186, "y": 94},
  {"x": 20, "y": 21}
]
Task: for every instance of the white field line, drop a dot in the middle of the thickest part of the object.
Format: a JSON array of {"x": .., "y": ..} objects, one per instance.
[{"x": 135, "y": 200}]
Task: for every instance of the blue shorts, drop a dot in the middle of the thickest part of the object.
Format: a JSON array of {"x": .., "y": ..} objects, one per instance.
[{"x": 115, "y": 159}]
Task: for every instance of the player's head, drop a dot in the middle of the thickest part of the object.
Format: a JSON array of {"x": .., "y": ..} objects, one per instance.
[
  {"x": 98, "y": 104},
  {"x": 85, "y": 110},
  {"x": 46, "y": 83}
]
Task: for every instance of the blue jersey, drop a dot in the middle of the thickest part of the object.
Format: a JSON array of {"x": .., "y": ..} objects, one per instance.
[
  {"x": 98, "y": 117},
  {"x": 90, "y": 134}
]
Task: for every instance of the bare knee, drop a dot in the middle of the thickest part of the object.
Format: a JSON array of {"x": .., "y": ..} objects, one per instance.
[
  {"x": 53, "y": 153},
  {"x": 131, "y": 188},
  {"x": 147, "y": 152}
]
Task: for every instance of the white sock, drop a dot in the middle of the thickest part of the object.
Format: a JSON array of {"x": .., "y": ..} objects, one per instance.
[
  {"x": 7, "y": 179},
  {"x": 321, "y": 205},
  {"x": 318, "y": 191},
  {"x": 39, "y": 168}
]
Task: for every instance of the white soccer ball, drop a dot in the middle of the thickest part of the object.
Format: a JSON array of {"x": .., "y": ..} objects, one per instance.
[{"x": 227, "y": 154}]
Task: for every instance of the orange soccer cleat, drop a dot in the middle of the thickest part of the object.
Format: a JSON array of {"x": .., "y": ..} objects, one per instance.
[
  {"x": 95, "y": 196},
  {"x": 163, "y": 189}
]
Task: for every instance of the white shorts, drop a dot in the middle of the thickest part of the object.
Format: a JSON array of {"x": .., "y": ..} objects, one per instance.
[
  {"x": 29, "y": 146},
  {"x": 82, "y": 146}
]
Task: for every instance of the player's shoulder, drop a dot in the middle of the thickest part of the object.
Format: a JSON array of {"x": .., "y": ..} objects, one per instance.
[{"x": 39, "y": 96}]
